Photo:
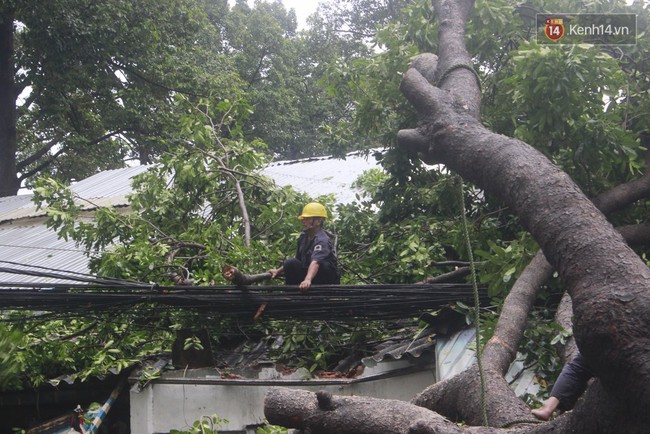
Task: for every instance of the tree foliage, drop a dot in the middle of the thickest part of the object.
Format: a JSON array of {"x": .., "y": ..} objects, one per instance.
[
  {"x": 580, "y": 105},
  {"x": 572, "y": 113},
  {"x": 584, "y": 107},
  {"x": 97, "y": 84},
  {"x": 94, "y": 84}
]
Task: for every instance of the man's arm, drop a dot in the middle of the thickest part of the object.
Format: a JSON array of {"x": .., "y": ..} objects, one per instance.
[{"x": 311, "y": 273}]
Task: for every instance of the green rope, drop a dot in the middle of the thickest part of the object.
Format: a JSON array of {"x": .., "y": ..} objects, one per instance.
[
  {"x": 459, "y": 66},
  {"x": 520, "y": 421},
  {"x": 477, "y": 319}
]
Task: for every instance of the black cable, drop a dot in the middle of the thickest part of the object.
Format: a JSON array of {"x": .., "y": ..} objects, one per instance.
[{"x": 69, "y": 275}]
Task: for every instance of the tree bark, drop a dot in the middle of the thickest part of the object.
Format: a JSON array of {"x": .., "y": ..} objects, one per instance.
[
  {"x": 459, "y": 397},
  {"x": 8, "y": 141},
  {"x": 322, "y": 413},
  {"x": 500, "y": 351},
  {"x": 607, "y": 281}
]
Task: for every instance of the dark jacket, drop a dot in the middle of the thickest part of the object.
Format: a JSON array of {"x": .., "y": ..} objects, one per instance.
[{"x": 319, "y": 249}]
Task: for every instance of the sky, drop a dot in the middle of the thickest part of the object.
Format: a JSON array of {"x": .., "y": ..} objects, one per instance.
[{"x": 303, "y": 8}]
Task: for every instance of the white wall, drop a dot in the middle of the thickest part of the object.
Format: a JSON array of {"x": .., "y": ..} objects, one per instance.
[{"x": 169, "y": 404}]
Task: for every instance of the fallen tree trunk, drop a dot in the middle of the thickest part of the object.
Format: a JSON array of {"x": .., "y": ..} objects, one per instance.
[
  {"x": 322, "y": 413},
  {"x": 609, "y": 284},
  {"x": 450, "y": 397}
]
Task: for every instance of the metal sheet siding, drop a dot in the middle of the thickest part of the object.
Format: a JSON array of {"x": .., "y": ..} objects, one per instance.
[
  {"x": 105, "y": 188},
  {"x": 14, "y": 205},
  {"x": 24, "y": 238},
  {"x": 110, "y": 183},
  {"x": 32, "y": 245}
]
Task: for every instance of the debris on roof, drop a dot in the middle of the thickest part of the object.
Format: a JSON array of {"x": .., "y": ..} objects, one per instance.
[{"x": 404, "y": 345}]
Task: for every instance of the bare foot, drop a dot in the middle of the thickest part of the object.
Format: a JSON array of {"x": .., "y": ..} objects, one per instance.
[{"x": 547, "y": 408}]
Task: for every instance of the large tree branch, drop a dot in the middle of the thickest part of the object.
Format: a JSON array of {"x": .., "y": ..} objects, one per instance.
[
  {"x": 322, "y": 413},
  {"x": 40, "y": 153},
  {"x": 42, "y": 165},
  {"x": 501, "y": 349},
  {"x": 141, "y": 76},
  {"x": 575, "y": 237}
]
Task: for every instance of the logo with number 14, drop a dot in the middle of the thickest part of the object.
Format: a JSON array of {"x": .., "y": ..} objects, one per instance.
[{"x": 554, "y": 28}]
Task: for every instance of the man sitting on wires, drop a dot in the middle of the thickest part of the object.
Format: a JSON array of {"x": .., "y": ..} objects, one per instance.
[{"x": 315, "y": 261}]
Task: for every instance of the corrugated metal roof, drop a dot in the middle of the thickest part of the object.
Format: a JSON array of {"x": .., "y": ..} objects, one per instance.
[
  {"x": 108, "y": 188},
  {"x": 110, "y": 183},
  {"x": 404, "y": 344},
  {"x": 455, "y": 353},
  {"x": 323, "y": 175},
  {"x": 15, "y": 205},
  {"x": 26, "y": 243},
  {"x": 315, "y": 176},
  {"x": 31, "y": 244}
]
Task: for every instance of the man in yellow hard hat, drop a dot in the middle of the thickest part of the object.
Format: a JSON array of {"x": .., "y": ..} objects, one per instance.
[{"x": 315, "y": 261}]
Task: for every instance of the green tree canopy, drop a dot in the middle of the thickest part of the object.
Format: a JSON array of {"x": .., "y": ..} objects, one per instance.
[
  {"x": 96, "y": 83},
  {"x": 584, "y": 107},
  {"x": 84, "y": 89}
]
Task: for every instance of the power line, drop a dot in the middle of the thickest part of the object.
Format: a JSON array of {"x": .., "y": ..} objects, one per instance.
[
  {"x": 56, "y": 273},
  {"x": 328, "y": 302}
]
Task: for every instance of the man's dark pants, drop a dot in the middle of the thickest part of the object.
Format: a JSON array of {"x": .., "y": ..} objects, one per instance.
[
  {"x": 572, "y": 382},
  {"x": 295, "y": 272}
]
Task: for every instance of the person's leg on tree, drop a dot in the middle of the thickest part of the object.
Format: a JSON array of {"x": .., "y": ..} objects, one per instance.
[{"x": 569, "y": 386}]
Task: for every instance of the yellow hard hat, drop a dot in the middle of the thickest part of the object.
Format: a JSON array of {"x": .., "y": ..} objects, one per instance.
[{"x": 313, "y": 209}]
